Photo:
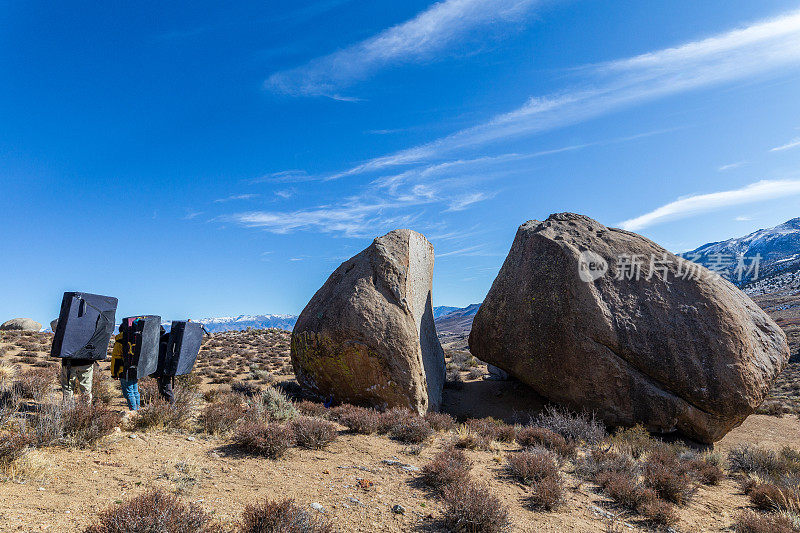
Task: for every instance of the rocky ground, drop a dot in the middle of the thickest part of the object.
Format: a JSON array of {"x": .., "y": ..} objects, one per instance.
[{"x": 356, "y": 481}]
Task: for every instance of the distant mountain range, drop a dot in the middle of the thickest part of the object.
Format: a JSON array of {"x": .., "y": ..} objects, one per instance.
[{"x": 778, "y": 249}]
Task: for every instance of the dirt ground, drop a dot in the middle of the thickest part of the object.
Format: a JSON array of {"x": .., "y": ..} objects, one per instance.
[{"x": 75, "y": 484}]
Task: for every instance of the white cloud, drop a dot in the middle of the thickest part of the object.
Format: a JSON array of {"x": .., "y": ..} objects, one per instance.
[
  {"x": 767, "y": 47},
  {"x": 788, "y": 146},
  {"x": 703, "y": 203},
  {"x": 284, "y": 193},
  {"x": 463, "y": 202},
  {"x": 731, "y": 166},
  {"x": 418, "y": 39},
  {"x": 743, "y": 218},
  {"x": 234, "y": 197}
]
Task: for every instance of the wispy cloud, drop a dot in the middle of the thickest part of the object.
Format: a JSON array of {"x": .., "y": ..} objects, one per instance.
[
  {"x": 192, "y": 214},
  {"x": 703, "y": 203},
  {"x": 764, "y": 48},
  {"x": 788, "y": 146},
  {"x": 419, "y": 39},
  {"x": 235, "y": 197},
  {"x": 743, "y": 218},
  {"x": 477, "y": 250},
  {"x": 284, "y": 193},
  {"x": 731, "y": 166},
  {"x": 463, "y": 202}
]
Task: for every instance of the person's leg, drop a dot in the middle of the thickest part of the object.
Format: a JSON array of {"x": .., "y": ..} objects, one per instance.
[
  {"x": 84, "y": 374},
  {"x": 137, "y": 399},
  {"x": 127, "y": 393},
  {"x": 165, "y": 388},
  {"x": 66, "y": 382}
]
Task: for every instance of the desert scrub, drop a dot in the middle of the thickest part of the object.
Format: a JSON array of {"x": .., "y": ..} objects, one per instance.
[
  {"x": 313, "y": 433},
  {"x": 532, "y": 464},
  {"x": 14, "y": 444},
  {"x": 102, "y": 387},
  {"x": 669, "y": 477},
  {"x": 176, "y": 415},
  {"x": 85, "y": 424},
  {"x": 154, "y": 511},
  {"x": 269, "y": 439},
  {"x": 572, "y": 426},
  {"x": 35, "y": 383},
  {"x": 244, "y": 388},
  {"x": 440, "y": 421},
  {"x": 471, "y": 508},
  {"x": 411, "y": 430},
  {"x": 750, "y": 522},
  {"x": 468, "y": 439},
  {"x": 536, "y": 436},
  {"x": 222, "y": 414},
  {"x": 281, "y": 517},
  {"x": 447, "y": 467},
  {"x": 492, "y": 429},
  {"x": 270, "y": 405},
  {"x": 358, "y": 419}
]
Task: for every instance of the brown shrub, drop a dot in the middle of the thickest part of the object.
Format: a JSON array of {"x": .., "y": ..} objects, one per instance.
[
  {"x": 35, "y": 383},
  {"x": 705, "y": 472},
  {"x": 268, "y": 439},
  {"x": 492, "y": 429},
  {"x": 222, "y": 415},
  {"x": 102, "y": 387},
  {"x": 572, "y": 426},
  {"x": 13, "y": 445},
  {"x": 470, "y": 440},
  {"x": 411, "y": 430},
  {"x": 176, "y": 415},
  {"x": 440, "y": 421},
  {"x": 313, "y": 409},
  {"x": 626, "y": 490},
  {"x": 244, "y": 388},
  {"x": 85, "y": 424},
  {"x": 446, "y": 467},
  {"x": 313, "y": 433},
  {"x": 392, "y": 417},
  {"x": 668, "y": 477},
  {"x": 532, "y": 465},
  {"x": 358, "y": 419},
  {"x": 547, "y": 493},
  {"x": 660, "y": 512},
  {"x": 634, "y": 441},
  {"x": 750, "y": 522},
  {"x": 471, "y": 508},
  {"x": 280, "y": 517},
  {"x": 155, "y": 511},
  {"x": 772, "y": 497},
  {"x": 535, "y": 436}
]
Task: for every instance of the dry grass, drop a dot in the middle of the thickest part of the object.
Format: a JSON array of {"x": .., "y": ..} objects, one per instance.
[{"x": 750, "y": 522}]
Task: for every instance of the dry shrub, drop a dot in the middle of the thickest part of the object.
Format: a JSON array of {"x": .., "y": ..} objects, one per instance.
[
  {"x": 155, "y": 511},
  {"x": 572, "y": 426},
  {"x": 162, "y": 414},
  {"x": 14, "y": 445},
  {"x": 764, "y": 462},
  {"x": 634, "y": 441},
  {"x": 190, "y": 381},
  {"x": 8, "y": 373},
  {"x": 492, "y": 429},
  {"x": 660, "y": 512},
  {"x": 447, "y": 467},
  {"x": 440, "y": 421},
  {"x": 535, "y": 436},
  {"x": 313, "y": 433},
  {"x": 411, "y": 430},
  {"x": 148, "y": 390},
  {"x": 768, "y": 496},
  {"x": 268, "y": 439},
  {"x": 309, "y": 408},
  {"x": 358, "y": 419},
  {"x": 665, "y": 474},
  {"x": 547, "y": 493},
  {"x": 626, "y": 490},
  {"x": 470, "y": 440},
  {"x": 244, "y": 388},
  {"x": 531, "y": 465},
  {"x": 392, "y": 417},
  {"x": 222, "y": 415},
  {"x": 85, "y": 424},
  {"x": 102, "y": 386},
  {"x": 35, "y": 383},
  {"x": 9, "y": 404},
  {"x": 705, "y": 470},
  {"x": 471, "y": 508},
  {"x": 750, "y": 522},
  {"x": 281, "y": 517},
  {"x": 599, "y": 461}
]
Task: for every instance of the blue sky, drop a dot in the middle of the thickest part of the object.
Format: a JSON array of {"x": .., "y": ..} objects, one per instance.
[{"x": 207, "y": 159}]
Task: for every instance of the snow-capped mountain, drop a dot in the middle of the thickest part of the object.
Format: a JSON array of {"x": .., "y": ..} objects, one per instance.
[
  {"x": 778, "y": 249},
  {"x": 242, "y": 322}
]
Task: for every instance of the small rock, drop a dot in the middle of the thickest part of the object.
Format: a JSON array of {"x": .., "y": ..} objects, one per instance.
[
  {"x": 191, "y": 439},
  {"x": 398, "y": 509},
  {"x": 318, "y": 507}
]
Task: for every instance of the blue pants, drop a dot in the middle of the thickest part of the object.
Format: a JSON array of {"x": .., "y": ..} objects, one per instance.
[{"x": 130, "y": 389}]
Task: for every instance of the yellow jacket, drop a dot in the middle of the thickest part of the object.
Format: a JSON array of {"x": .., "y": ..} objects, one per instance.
[{"x": 117, "y": 352}]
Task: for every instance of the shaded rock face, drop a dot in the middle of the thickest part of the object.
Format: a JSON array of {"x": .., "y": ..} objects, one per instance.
[
  {"x": 367, "y": 336},
  {"x": 21, "y": 324},
  {"x": 694, "y": 355}
]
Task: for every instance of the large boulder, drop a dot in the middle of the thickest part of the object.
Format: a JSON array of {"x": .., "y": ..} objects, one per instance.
[
  {"x": 367, "y": 336},
  {"x": 674, "y": 348},
  {"x": 21, "y": 324}
]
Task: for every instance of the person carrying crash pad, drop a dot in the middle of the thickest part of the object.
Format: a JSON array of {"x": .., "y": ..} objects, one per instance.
[
  {"x": 125, "y": 347},
  {"x": 164, "y": 382},
  {"x": 76, "y": 373}
]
